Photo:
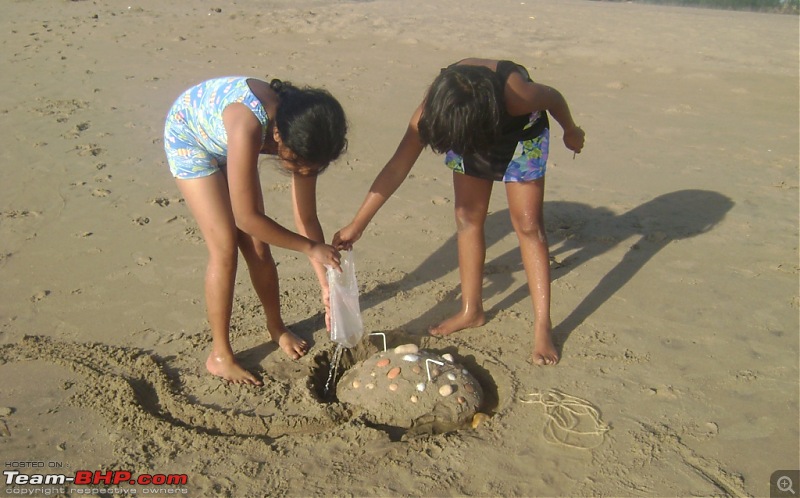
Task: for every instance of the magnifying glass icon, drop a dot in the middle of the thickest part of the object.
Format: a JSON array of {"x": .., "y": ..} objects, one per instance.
[{"x": 785, "y": 484}]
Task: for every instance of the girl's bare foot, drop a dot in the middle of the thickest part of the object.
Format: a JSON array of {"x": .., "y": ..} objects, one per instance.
[
  {"x": 293, "y": 346},
  {"x": 225, "y": 366},
  {"x": 544, "y": 351},
  {"x": 458, "y": 322}
]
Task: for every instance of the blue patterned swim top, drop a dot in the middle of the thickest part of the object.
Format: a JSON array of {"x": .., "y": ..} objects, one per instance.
[{"x": 196, "y": 115}]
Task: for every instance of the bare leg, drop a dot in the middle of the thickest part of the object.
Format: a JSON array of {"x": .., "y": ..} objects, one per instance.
[
  {"x": 264, "y": 276},
  {"x": 472, "y": 203},
  {"x": 210, "y": 204},
  {"x": 525, "y": 203}
]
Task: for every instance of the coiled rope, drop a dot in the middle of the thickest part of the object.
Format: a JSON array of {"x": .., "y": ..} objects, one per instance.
[{"x": 571, "y": 421}]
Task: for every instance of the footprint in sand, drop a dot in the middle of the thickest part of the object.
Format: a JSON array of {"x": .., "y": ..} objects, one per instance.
[
  {"x": 76, "y": 131},
  {"x": 89, "y": 150},
  {"x": 161, "y": 201},
  {"x": 40, "y": 295}
]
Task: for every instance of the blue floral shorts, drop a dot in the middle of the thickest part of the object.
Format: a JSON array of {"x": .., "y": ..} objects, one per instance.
[{"x": 528, "y": 162}]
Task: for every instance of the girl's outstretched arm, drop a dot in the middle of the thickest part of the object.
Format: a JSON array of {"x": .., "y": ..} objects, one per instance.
[{"x": 386, "y": 183}]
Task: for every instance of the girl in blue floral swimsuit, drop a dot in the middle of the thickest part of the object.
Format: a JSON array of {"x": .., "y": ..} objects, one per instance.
[
  {"x": 214, "y": 134},
  {"x": 490, "y": 120}
]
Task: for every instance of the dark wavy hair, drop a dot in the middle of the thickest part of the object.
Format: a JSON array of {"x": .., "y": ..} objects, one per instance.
[
  {"x": 312, "y": 124},
  {"x": 462, "y": 110}
]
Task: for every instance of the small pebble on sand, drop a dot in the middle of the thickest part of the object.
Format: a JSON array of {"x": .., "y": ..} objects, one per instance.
[
  {"x": 406, "y": 349},
  {"x": 478, "y": 419}
]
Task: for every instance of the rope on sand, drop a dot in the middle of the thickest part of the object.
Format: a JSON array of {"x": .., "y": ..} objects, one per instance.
[{"x": 565, "y": 416}]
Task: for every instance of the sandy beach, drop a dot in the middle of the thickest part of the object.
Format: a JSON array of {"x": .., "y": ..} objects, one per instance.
[{"x": 673, "y": 236}]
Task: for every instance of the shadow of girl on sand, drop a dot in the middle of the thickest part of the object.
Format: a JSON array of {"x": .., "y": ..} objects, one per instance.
[{"x": 583, "y": 232}]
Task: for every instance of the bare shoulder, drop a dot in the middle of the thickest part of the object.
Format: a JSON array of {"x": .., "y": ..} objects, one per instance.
[
  {"x": 243, "y": 129},
  {"x": 524, "y": 96},
  {"x": 414, "y": 122},
  {"x": 238, "y": 116}
]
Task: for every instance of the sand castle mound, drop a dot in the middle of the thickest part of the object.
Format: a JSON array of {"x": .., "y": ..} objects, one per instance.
[{"x": 407, "y": 387}]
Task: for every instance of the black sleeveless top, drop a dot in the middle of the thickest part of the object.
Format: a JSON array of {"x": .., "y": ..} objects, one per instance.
[{"x": 493, "y": 163}]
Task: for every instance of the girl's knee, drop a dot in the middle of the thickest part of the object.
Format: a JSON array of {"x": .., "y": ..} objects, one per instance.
[
  {"x": 223, "y": 260},
  {"x": 222, "y": 249},
  {"x": 467, "y": 219},
  {"x": 530, "y": 229}
]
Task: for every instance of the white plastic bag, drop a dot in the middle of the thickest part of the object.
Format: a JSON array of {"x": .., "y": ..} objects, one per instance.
[{"x": 346, "y": 326}]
